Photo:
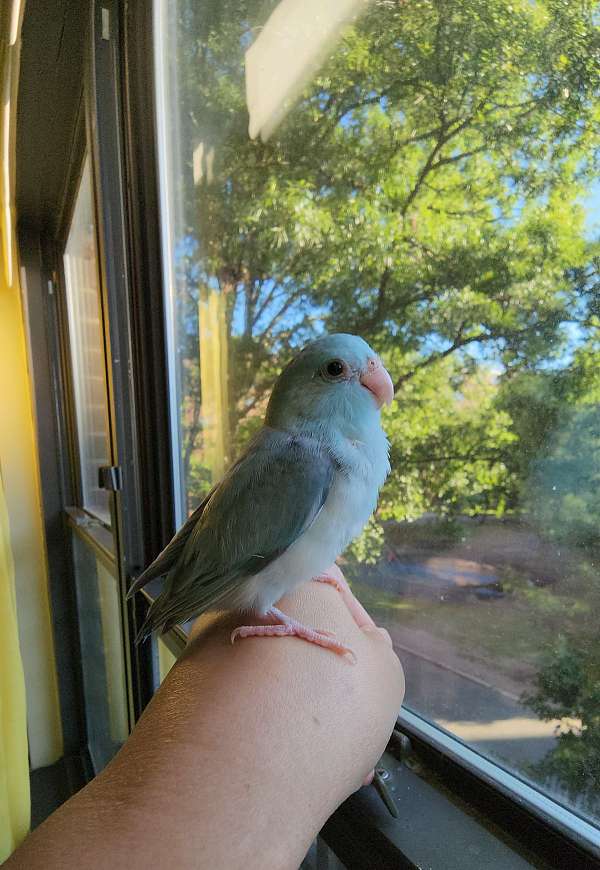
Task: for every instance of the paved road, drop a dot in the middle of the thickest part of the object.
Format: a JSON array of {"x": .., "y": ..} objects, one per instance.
[{"x": 487, "y": 719}]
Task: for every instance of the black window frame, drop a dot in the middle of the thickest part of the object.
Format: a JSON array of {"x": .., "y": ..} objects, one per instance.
[
  {"x": 92, "y": 141},
  {"x": 65, "y": 47}
]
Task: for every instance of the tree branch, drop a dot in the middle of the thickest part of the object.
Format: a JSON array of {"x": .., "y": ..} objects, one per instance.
[
  {"x": 289, "y": 301},
  {"x": 429, "y": 163},
  {"x": 458, "y": 342}
]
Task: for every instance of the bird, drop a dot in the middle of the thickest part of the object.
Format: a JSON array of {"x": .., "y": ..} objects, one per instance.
[{"x": 303, "y": 489}]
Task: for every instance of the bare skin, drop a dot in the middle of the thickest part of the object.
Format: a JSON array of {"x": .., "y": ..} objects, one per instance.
[{"x": 241, "y": 756}]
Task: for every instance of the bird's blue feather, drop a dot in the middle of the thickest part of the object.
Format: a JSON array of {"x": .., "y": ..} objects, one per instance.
[
  {"x": 303, "y": 489},
  {"x": 246, "y": 522}
]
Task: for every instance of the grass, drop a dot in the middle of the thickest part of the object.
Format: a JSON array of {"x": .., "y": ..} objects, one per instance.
[
  {"x": 507, "y": 635},
  {"x": 504, "y": 634}
]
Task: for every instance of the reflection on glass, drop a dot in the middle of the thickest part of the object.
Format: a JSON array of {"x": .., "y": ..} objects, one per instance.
[
  {"x": 102, "y": 659},
  {"x": 214, "y": 379},
  {"x": 289, "y": 48},
  {"x": 430, "y": 187},
  {"x": 87, "y": 347}
]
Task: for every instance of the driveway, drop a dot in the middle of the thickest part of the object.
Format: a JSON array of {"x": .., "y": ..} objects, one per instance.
[{"x": 489, "y": 720}]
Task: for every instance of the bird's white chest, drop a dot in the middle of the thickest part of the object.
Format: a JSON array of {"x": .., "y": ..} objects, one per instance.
[{"x": 349, "y": 504}]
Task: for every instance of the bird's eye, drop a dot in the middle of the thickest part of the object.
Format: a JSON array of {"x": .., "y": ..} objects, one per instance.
[{"x": 334, "y": 369}]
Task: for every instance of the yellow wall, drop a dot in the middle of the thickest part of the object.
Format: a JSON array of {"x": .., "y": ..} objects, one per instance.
[
  {"x": 14, "y": 769},
  {"x": 20, "y": 472},
  {"x": 19, "y": 458}
]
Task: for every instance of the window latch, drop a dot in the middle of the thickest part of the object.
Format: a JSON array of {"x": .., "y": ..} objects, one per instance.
[
  {"x": 383, "y": 780},
  {"x": 380, "y": 781},
  {"x": 110, "y": 478}
]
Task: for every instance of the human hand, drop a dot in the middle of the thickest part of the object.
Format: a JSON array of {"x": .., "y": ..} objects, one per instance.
[{"x": 322, "y": 722}]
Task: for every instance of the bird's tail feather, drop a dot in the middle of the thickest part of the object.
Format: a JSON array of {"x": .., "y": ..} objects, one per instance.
[
  {"x": 168, "y": 610},
  {"x": 154, "y": 620}
]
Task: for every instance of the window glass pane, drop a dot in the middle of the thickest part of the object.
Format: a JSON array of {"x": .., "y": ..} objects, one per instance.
[
  {"x": 87, "y": 347},
  {"x": 424, "y": 175},
  {"x": 102, "y": 659}
]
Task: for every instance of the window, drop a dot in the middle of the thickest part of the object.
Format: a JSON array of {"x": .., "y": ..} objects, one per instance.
[
  {"x": 422, "y": 174},
  {"x": 93, "y": 543},
  {"x": 87, "y": 347},
  {"x": 102, "y": 654}
]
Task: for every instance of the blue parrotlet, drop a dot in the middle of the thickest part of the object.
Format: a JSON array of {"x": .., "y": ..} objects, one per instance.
[{"x": 302, "y": 491}]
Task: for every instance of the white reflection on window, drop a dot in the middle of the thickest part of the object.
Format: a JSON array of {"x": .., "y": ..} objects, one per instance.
[{"x": 87, "y": 347}]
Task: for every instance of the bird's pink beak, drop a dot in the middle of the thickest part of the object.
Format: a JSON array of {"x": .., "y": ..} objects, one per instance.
[{"x": 376, "y": 378}]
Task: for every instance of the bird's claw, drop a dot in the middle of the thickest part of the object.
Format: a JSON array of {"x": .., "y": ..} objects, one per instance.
[{"x": 288, "y": 627}]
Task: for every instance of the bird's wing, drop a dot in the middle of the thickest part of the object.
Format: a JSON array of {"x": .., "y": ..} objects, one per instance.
[
  {"x": 267, "y": 500},
  {"x": 168, "y": 557}
]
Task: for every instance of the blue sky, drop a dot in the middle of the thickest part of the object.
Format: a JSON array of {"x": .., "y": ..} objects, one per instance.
[{"x": 591, "y": 204}]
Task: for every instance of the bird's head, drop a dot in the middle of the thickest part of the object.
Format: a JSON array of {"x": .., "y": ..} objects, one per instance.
[{"x": 336, "y": 381}]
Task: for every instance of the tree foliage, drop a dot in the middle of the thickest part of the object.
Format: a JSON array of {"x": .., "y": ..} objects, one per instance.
[
  {"x": 424, "y": 191},
  {"x": 568, "y": 686}
]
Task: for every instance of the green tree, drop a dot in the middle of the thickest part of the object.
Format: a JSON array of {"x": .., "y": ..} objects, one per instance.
[
  {"x": 449, "y": 444},
  {"x": 424, "y": 192},
  {"x": 557, "y": 417},
  {"x": 564, "y": 497},
  {"x": 568, "y": 687}
]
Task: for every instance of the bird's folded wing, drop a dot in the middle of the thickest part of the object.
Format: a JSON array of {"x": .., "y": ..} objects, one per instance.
[
  {"x": 168, "y": 557},
  {"x": 267, "y": 500}
]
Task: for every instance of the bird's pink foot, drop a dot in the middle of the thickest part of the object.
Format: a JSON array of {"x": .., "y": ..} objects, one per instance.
[
  {"x": 334, "y": 577},
  {"x": 285, "y": 626}
]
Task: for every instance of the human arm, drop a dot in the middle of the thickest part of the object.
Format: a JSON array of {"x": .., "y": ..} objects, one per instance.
[{"x": 241, "y": 756}]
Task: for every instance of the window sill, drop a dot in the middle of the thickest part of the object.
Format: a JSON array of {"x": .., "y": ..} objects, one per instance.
[
  {"x": 94, "y": 533},
  {"x": 433, "y": 830}
]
